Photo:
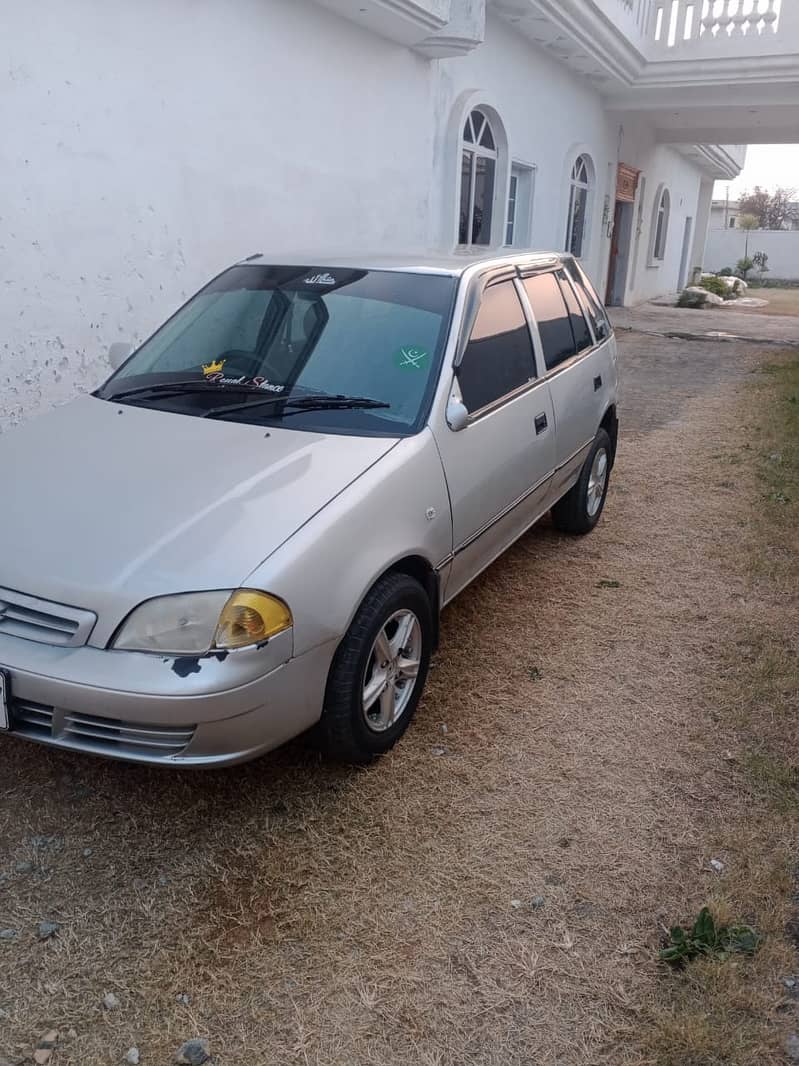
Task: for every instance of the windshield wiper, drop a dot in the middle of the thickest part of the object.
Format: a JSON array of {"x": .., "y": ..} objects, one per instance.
[
  {"x": 178, "y": 387},
  {"x": 321, "y": 402}
]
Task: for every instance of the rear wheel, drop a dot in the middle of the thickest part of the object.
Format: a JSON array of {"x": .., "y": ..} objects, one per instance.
[
  {"x": 378, "y": 672},
  {"x": 579, "y": 510}
]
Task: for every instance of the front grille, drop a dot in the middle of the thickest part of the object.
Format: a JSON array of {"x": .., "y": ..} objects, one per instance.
[
  {"x": 91, "y": 733},
  {"x": 45, "y": 622}
]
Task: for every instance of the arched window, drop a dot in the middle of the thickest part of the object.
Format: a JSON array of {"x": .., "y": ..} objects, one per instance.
[
  {"x": 661, "y": 224},
  {"x": 582, "y": 177},
  {"x": 478, "y": 177}
]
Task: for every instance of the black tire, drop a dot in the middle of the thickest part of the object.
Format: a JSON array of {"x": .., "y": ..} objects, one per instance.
[
  {"x": 344, "y": 732},
  {"x": 571, "y": 514}
]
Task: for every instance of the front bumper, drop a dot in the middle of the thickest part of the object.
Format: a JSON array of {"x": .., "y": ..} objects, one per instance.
[{"x": 212, "y": 711}]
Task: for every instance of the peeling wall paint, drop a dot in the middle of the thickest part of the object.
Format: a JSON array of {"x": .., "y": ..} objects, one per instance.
[{"x": 146, "y": 147}]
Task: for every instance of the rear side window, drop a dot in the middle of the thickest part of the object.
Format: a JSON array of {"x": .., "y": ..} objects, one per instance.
[
  {"x": 551, "y": 314},
  {"x": 499, "y": 356},
  {"x": 596, "y": 312},
  {"x": 582, "y": 334}
]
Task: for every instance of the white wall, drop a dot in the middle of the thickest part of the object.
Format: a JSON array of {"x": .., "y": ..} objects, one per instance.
[
  {"x": 549, "y": 117},
  {"x": 726, "y": 247},
  {"x": 659, "y": 164},
  {"x": 147, "y": 146}
]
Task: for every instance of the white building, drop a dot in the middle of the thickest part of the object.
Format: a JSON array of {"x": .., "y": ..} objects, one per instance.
[
  {"x": 724, "y": 214},
  {"x": 145, "y": 146}
]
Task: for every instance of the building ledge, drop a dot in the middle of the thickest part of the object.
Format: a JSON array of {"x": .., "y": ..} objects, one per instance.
[{"x": 437, "y": 29}]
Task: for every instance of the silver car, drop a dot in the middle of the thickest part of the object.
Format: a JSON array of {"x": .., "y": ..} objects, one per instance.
[{"x": 251, "y": 528}]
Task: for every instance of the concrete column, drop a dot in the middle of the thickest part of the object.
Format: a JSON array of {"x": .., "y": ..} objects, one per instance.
[
  {"x": 464, "y": 32},
  {"x": 701, "y": 226}
]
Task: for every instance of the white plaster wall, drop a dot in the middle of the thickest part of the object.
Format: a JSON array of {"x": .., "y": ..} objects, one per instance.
[
  {"x": 659, "y": 164},
  {"x": 549, "y": 116},
  {"x": 146, "y": 146},
  {"x": 726, "y": 247}
]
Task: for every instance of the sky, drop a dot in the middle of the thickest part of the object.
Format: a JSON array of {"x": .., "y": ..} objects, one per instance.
[{"x": 767, "y": 165}]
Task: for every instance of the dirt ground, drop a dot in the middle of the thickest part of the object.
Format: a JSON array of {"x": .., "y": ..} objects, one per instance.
[
  {"x": 780, "y": 301},
  {"x": 490, "y": 894}
]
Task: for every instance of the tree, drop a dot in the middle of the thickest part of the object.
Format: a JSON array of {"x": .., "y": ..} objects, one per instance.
[
  {"x": 747, "y": 223},
  {"x": 770, "y": 209}
]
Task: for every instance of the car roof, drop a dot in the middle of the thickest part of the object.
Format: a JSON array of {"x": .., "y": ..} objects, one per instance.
[{"x": 452, "y": 265}]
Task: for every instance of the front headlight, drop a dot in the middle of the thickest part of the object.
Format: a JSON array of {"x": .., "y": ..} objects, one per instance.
[{"x": 196, "y": 623}]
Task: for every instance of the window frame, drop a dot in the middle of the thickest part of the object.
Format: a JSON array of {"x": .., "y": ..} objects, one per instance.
[
  {"x": 524, "y": 174},
  {"x": 587, "y": 185},
  {"x": 659, "y": 237},
  {"x": 477, "y": 150},
  {"x": 474, "y": 300},
  {"x": 583, "y": 287},
  {"x": 544, "y": 371}
]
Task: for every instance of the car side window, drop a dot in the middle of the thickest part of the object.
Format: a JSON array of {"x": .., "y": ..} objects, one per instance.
[
  {"x": 596, "y": 312},
  {"x": 582, "y": 334},
  {"x": 551, "y": 314},
  {"x": 499, "y": 356}
]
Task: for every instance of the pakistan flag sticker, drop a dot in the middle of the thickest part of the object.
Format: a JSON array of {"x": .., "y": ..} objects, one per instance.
[{"x": 411, "y": 358}]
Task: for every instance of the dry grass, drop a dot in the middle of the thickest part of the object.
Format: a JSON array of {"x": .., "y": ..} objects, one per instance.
[
  {"x": 322, "y": 916},
  {"x": 780, "y": 301},
  {"x": 737, "y": 1012}
]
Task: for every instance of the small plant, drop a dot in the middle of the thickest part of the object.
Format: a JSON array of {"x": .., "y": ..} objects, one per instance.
[
  {"x": 605, "y": 584},
  {"x": 760, "y": 261},
  {"x": 743, "y": 266},
  {"x": 727, "y": 272},
  {"x": 707, "y": 938},
  {"x": 716, "y": 286}
]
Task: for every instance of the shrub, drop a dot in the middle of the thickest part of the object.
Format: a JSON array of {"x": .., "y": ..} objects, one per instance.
[
  {"x": 716, "y": 286},
  {"x": 743, "y": 266},
  {"x": 727, "y": 272},
  {"x": 760, "y": 260},
  {"x": 691, "y": 298}
]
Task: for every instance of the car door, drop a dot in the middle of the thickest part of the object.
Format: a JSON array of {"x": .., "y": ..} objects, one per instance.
[
  {"x": 579, "y": 381},
  {"x": 499, "y": 465}
]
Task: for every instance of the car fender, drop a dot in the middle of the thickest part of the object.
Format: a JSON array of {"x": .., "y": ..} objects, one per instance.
[{"x": 398, "y": 509}]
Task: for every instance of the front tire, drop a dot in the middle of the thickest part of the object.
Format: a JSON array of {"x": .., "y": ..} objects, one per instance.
[
  {"x": 378, "y": 672},
  {"x": 579, "y": 510}
]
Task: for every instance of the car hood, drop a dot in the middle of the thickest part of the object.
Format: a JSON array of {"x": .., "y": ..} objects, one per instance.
[{"x": 104, "y": 505}]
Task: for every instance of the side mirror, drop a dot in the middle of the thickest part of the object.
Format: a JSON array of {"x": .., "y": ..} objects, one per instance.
[
  {"x": 457, "y": 415},
  {"x": 118, "y": 353}
]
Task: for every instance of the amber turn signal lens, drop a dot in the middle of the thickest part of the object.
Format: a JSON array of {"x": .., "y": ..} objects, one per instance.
[{"x": 250, "y": 617}]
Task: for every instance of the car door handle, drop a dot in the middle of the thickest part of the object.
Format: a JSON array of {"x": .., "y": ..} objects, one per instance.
[
  {"x": 597, "y": 383},
  {"x": 540, "y": 423}
]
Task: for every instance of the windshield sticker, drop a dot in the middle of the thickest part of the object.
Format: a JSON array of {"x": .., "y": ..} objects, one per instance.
[
  {"x": 411, "y": 358},
  {"x": 252, "y": 383},
  {"x": 214, "y": 367},
  {"x": 320, "y": 279}
]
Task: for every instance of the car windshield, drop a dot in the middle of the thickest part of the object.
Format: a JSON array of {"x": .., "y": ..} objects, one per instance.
[{"x": 324, "y": 348}]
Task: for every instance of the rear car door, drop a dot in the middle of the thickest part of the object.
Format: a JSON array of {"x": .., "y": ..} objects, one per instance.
[
  {"x": 499, "y": 466},
  {"x": 579, "y": 370}
]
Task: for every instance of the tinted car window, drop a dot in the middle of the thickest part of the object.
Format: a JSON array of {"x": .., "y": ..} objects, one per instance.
[
  {"x": 294, "y": 331},
  {"x": 499, "y": 355},
  {"x": 549, "y": 308},
  {"x": 580, "y": 330},
  {"x": 596, "y": 312}
]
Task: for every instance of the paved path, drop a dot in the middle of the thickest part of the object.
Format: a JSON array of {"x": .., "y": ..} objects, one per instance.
[{"x": 669, "y": 355}]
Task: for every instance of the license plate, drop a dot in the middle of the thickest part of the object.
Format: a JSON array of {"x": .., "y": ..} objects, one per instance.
[{"x": 4, "y": 722}]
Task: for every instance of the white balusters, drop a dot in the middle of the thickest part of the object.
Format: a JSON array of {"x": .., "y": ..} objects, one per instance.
[
  {"x": 770, "y": 15},
  {"x": 676, "y": 23}
]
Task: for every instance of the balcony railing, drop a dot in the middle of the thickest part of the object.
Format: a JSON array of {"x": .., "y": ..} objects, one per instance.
[{"x": 679, "y": 23}]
